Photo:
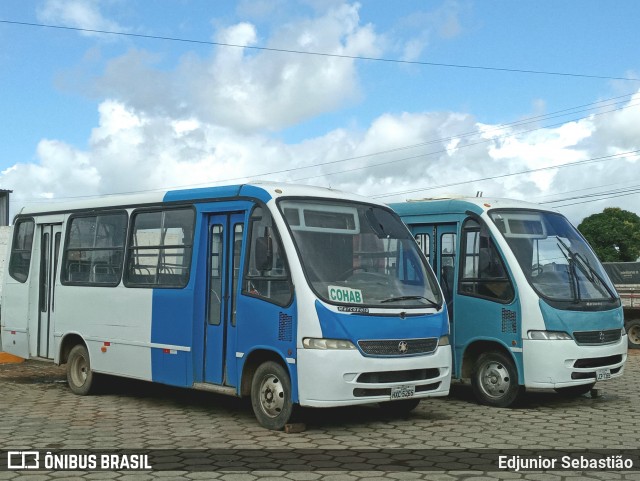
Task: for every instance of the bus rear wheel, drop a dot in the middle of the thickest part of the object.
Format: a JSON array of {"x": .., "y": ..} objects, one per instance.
[
  {"x": 495, "y": 380},
  {"x": 79, "y": 375},
  {"x": 271, "y": 395}
]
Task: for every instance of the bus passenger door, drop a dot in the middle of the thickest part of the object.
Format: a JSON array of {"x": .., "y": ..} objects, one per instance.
[
  {"x": 50, "y": 235},
  {"x": 438, "y": 242},
  {"x": 225, "y": 248}
]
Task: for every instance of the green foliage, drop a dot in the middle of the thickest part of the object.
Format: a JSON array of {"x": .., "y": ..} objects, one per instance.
[{"x": 614, "y": 234}]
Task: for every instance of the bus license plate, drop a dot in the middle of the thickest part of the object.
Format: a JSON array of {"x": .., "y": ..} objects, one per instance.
[
  {"x": 603, "y": 374},
  {"x": 402, "y": 392}
]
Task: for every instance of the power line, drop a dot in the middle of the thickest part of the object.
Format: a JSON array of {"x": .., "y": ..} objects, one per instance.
[
  {"x": 441, "y": 151},
  {"x": 529, "y": 171},
  {"x": 636, "y": 192},
  {"x": 375, "y": 165},
  {"x": 320, "y": 54}
]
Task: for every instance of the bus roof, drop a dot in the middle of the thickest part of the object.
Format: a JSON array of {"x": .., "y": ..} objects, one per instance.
[
  {"x": 461, "y": 205},
  {"x": 264, "y": 191}
]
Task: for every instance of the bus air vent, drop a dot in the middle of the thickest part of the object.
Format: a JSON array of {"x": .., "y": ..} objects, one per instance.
[
  {"x": 285, "y": 327},
  {"x": 509, "y": 321}
]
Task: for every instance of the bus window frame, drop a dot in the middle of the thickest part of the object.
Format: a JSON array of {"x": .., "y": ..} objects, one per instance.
[
  {"x": 129, "y": 245},
  {"x": 246, "y": 278},
  {"x": 18, "y": 220},
  {"x": 482, "y": 227},
  {"x": 65, "y": 247}
]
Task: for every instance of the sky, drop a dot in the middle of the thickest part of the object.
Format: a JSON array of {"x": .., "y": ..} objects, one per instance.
[{"x": 538, "y": 101}]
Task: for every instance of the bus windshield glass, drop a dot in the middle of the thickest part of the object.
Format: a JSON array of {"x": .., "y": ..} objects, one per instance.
[
  {"x": 554, "y": 257},
  {"x": 359, "y": 255}
]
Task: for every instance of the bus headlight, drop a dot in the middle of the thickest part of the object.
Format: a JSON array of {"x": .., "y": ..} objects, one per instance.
[
  {"x": 549, "y": 335},
  {"x": 443, "y": 341},
  {"x": 311, "y": 343}
]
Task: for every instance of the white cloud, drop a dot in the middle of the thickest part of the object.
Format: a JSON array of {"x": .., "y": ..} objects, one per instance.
[
  {"x": 251, "y": 90},
  {"x": 84, "y": 14},
  {"x": 130, "y": 151},
  {"x": 211, "y": 119}
]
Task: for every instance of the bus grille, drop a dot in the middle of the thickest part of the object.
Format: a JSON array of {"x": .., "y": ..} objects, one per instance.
[
  {"x": 412, "y": 375},
  {"x": 363, "y": 392},
  {"x": 399, "y": 347},
  {"x": 597, "y": 337},
  {"x": 595, "y": 362}
]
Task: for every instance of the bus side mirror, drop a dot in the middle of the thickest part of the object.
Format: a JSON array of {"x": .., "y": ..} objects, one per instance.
[{"x": 264, "y": 253}]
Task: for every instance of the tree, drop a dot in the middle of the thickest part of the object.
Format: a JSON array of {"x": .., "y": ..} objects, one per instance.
[{"x": 614, "y": 234}]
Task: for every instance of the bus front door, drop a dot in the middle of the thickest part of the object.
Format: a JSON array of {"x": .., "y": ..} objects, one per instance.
[
  {"x": 225, "y": 248},
  {"x": 438, "y": 242},
  {"x": 50, "y": 235}
]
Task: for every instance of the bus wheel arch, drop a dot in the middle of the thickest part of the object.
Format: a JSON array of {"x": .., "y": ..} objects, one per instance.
[
  {"x": 494, "y": 374},
  {"x": 266, "y": 379}
]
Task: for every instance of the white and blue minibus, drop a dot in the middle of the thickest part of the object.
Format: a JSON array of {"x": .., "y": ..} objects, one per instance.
[
  {"x": 530, "y": 305},
  {"x": 290, "y": 295}
]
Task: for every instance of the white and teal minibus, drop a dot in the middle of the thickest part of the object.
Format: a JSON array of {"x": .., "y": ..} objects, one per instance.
[
  {"x": 290, "y": 295},
  {"x": 530, "y": 305}
]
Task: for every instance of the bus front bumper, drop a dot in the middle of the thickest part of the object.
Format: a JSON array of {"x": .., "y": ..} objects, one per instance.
[
  {"x": 328, "y": 378},
  {"x": 558, "y": 363}
]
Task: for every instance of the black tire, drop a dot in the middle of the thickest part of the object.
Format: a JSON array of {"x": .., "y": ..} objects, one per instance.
[
  {"x": 495, "y": 380},
  {"x": 575, "y": 391},
  {"x": 80, "y": 378},
  {"x": 271, "y": 395},
  {"x": 633, "y": 333},
  {"x": 401, "y": 407}
]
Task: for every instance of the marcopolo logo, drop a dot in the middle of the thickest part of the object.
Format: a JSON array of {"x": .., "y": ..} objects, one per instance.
[{"x": 345, "y": 294}]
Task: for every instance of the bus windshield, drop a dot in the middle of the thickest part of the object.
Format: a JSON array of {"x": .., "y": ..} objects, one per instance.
[
  {"x": 554, "y": 257},
  {"x": 359, "y": 255}
]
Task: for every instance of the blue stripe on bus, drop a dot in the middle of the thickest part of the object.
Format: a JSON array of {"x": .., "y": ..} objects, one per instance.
[
  {"x": 571, "y": 321},
  {"x": 222, "y": 193},
  {"x": 356, "y": 327}
]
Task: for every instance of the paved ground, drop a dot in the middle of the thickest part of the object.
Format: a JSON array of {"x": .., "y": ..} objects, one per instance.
[{"x": 37, "y": 411}]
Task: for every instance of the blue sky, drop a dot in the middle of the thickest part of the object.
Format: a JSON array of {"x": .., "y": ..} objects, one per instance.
[{"x": 89, "y": 114}]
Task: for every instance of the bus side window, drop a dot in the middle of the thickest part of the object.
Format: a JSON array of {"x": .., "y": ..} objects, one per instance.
[
  {"x": 20, "y": 260},
  {"x": 267, "y": 274},
  {"x": 94, "y": 249},
  {"x": 483, "y": 270},
  {"x": 159, "y": 252}
]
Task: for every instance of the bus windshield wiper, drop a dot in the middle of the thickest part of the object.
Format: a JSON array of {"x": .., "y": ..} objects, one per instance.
[
  {"x": 589, "y": 272},
  {"x": 432, "y": 303}
]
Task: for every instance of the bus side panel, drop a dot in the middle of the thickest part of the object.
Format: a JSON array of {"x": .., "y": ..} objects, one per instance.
[
  {"x": 172, "y": 329},
  {"x": 263, "y": 325},
  {"x": 15, "y": 313},
  {"x": 116, "y": 318},
  {"x": 17, "y": 300}
]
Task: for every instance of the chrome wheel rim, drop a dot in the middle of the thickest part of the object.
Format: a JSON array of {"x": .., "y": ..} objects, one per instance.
[
  {"x": 494, "y": 379},
  {"x": 271, "y": 396}
]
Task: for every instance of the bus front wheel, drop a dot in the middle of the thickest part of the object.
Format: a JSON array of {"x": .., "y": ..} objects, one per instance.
[
  {"x": 633, "y": 333},
  {"x": 271, "y": 395},
  {"x": 495, "y": 380},
  {"x": 79, "y": 374}
]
